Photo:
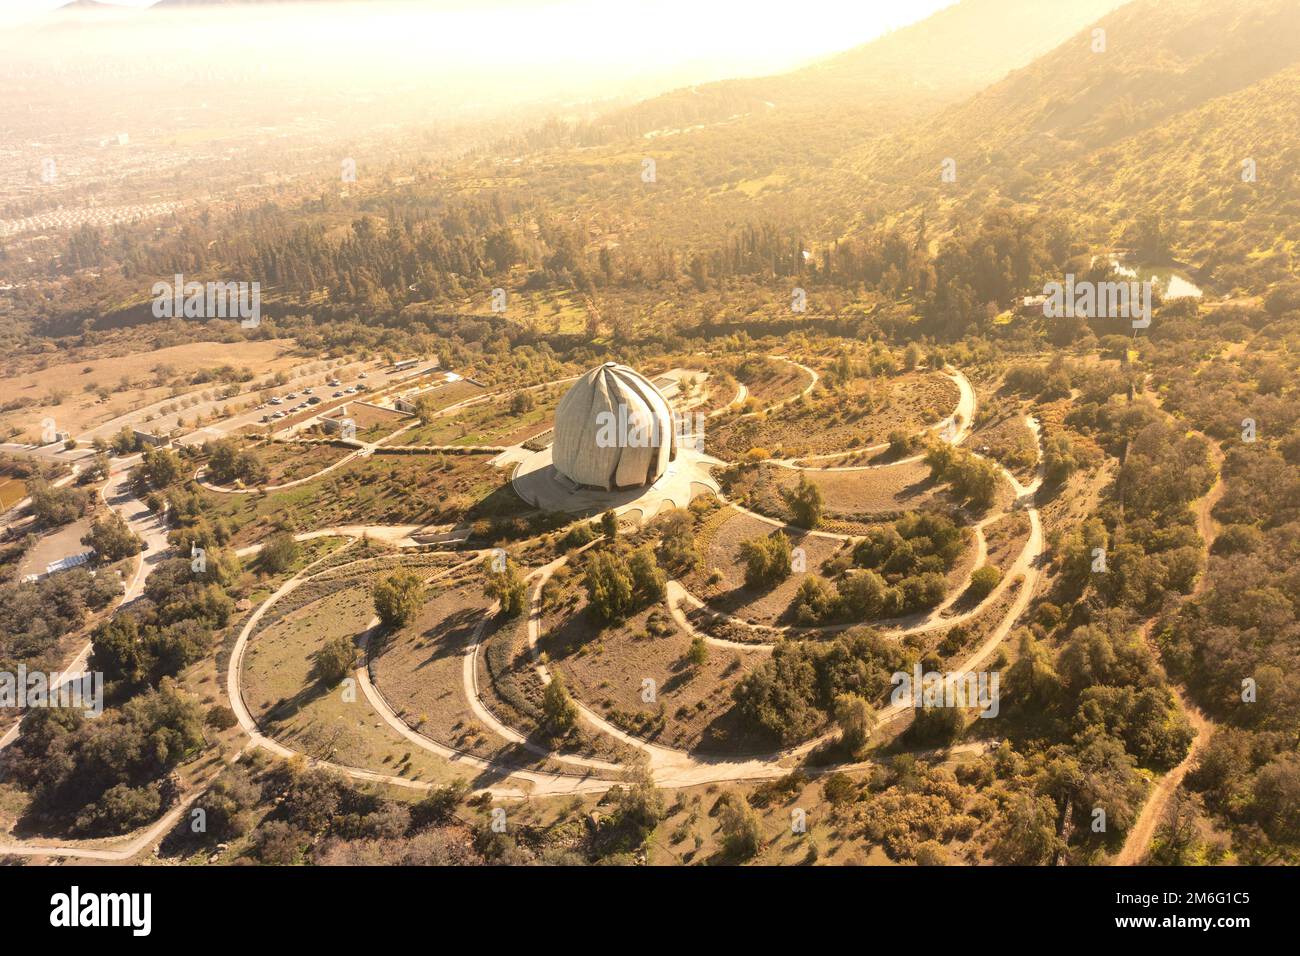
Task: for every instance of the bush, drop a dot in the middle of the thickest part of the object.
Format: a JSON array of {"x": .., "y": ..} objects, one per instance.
[
  {"x": 278, "y": 553},
  {"x": 334, "y": 661},
  {"x": 984, "y": 580}
]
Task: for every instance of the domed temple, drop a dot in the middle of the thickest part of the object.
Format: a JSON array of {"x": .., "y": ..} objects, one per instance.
[{"x": 613, "y": 431}]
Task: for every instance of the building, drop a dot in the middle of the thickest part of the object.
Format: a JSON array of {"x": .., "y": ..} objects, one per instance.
[
  {"x": 149, "y": 439},
  {"x": 613, "y": 431}
]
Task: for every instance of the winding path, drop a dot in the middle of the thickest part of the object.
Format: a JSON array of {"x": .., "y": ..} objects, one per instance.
[
  {"x": 669, "y": 767},
  {"x": 1138, "y": 840}
]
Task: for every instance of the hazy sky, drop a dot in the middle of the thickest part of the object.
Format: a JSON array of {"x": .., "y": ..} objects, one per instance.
[{"x": 735, "y": 36}]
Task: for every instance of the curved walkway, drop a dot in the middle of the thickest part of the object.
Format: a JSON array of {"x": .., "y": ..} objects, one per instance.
[
  {"x": 954, "y": 429},
  {"x": 670, "y": 767}
]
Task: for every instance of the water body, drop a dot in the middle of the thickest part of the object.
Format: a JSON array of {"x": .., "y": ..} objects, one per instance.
[{"x": 1170, "y": 282}]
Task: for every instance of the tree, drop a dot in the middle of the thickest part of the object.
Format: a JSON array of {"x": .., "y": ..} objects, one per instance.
[
  {"x": 767, "y": 560},
  {"x": 937, "y": 725},
  {"x": 1032, "y": 678},
  {"x": 804, "y": 502},
  {"x": 648, "y": 579},
  {"x": 505, "y": 585},
  {"x": 56, "y": 506},
  {"x": 609, "y": 586},
  {"x": 221, "y": 460},
  {"x": 501, "y": 249},
  {"x": 397, "y": 598},
  {"x": 112, "y": 538},
  {"x": 856, "y": 720},
  {"x": 814, "y": 601},
  {"x": 161, "y": 467},
  {"x": 1026, "y": 832},
  {"x": 677, "y": 549},
  {"x": 738, "y": 824},
  {"x": 334, "y": 661},
  {"x": 228, "y": 803},
  {"x": 425, "y": 408},
  {"x": 698, "y": 654},
  {"x": 863, "y": 594},
  {"x": 1059, "y": 461},
  {"x": 609, "y": 525},
  {"x": 522, "y": 402},
  {"x": 637, "y": 810},
  {"x": 559, "y": 712}
]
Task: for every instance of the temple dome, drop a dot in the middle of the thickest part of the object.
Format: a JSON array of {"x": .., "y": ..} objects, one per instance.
[{"x": 613, "y": 429}]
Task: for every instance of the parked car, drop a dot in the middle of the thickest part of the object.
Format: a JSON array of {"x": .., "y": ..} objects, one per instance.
[{"x": 314, "y": 400}]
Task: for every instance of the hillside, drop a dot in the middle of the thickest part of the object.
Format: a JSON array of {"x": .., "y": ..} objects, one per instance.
[
  {"x": 944, "y": 57},
  {"x": 1103, "y": 134}
]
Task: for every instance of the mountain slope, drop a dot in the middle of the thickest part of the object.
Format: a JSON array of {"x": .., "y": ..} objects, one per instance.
[
  {"x": 1105, "y": 136},
  {"x": 942, "y": 58}
]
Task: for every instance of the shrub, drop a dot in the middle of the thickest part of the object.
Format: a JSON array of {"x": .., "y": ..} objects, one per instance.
[
  {"x": 984, "y": 580},
  {"x": 279, "y": 553},
  {"x": 334, "y": 661}
]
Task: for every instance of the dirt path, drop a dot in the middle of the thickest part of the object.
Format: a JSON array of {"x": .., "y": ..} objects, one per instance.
[
  {"x": 1138, "y": 841},
  {"x": 670, "y": 767},
  {"x": 954, "y": 429}
]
